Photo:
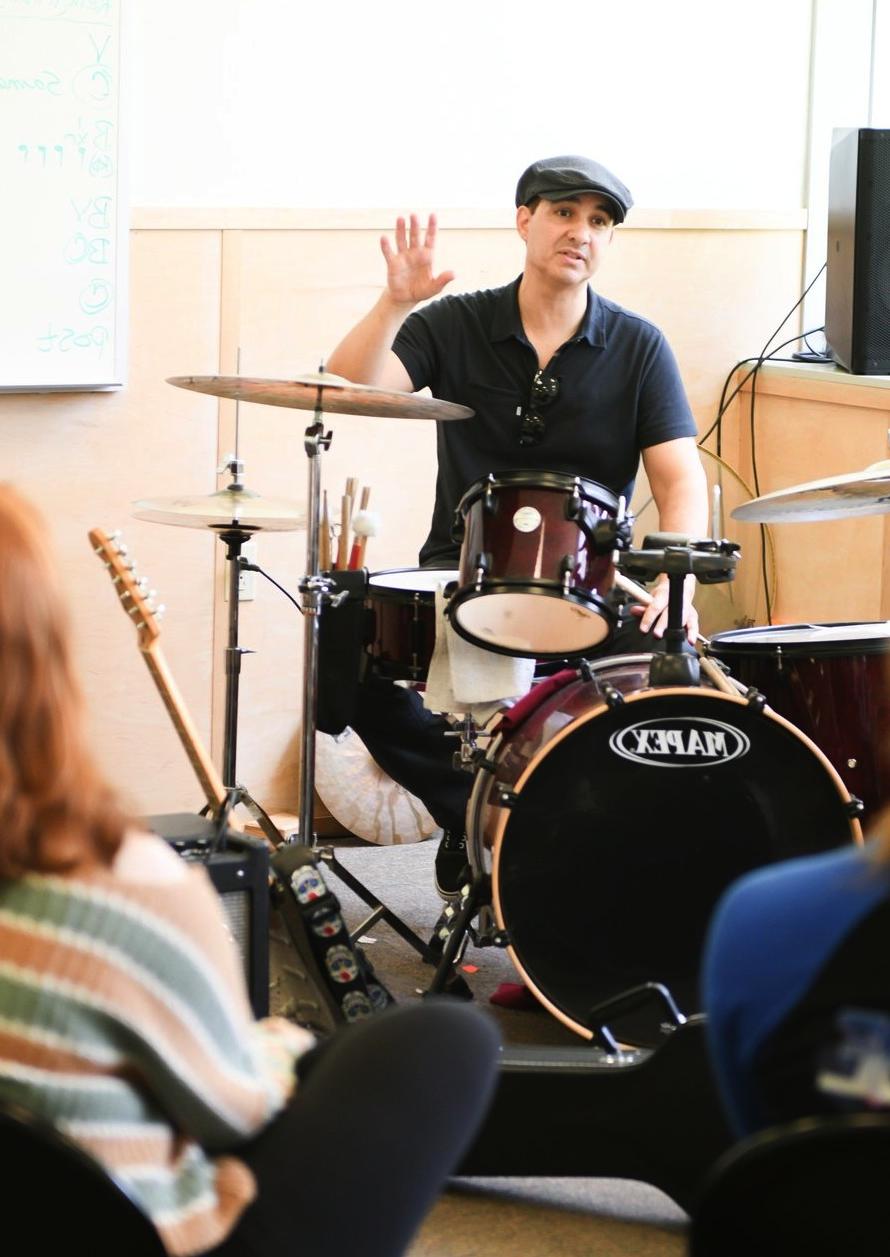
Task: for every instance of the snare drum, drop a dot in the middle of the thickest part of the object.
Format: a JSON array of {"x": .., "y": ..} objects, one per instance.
[
  {"x": 832, "y": 681},
  {"x": 612, "y": 818},
  {"x": 531, "y": 581},
  {"x": 400, "y": 628}
]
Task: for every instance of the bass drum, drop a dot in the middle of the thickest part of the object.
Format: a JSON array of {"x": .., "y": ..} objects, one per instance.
[{"x": 613, "y": 817}]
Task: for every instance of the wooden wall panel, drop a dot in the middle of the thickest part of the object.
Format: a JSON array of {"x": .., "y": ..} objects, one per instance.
[
  {"x": 808, "y": 428},
  {"x": 83, "y": 458}
]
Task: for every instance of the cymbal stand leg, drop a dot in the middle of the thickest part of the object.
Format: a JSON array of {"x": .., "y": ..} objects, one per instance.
[{"x": 234, "y": 539}]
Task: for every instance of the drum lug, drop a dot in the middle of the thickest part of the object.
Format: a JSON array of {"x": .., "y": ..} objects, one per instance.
[
  {"x": 755, "y": 700},
  {"x": 612, "y": 696},
  {"x": 855, "y": 807},
  {"x": 567, "y": 568},
  {"x": 507, "y": 797},
  {"x": 489, "y": 501},
  {"x": 481, "y": 566}
]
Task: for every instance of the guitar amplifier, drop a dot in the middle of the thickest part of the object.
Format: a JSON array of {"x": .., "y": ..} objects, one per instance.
[{"x": 238, "y": 867}]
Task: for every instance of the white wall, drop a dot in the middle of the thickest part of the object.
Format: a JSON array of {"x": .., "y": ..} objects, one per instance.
[{"x": 696, "y": 103}]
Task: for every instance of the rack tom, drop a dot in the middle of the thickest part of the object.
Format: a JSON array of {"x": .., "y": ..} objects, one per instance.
[{"x": 532, "y": 580}]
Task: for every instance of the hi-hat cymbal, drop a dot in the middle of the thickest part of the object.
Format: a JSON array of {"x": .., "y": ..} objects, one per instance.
[
  {"x": 325, "y": 392},
  {"x": 229, "y": 508},
  {"x": 837, "y": 497}
]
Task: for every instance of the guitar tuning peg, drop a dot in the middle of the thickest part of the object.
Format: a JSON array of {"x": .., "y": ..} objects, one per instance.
[
  {"x": 142, "y": 584},
  {"x": 152, "y": 594},
  {"x": 130, "y": 565},
  {"x": 159, "y": 613}
]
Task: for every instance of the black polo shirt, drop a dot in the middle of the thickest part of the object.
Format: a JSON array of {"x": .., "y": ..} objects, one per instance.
[{"x": 619, "y": 392}]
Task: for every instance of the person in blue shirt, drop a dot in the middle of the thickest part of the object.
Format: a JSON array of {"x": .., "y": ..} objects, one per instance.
[{"x": 796, "y": 985}]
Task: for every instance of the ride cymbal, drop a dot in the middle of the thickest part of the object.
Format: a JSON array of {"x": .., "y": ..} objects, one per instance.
[
  {"x": 836, "y": 497},
  {"x": 228, "y": 508},
  {"x": 325, "y": 392}
]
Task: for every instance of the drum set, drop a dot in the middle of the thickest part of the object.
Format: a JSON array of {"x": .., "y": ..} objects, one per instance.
[{"x": 612, "y": 805}]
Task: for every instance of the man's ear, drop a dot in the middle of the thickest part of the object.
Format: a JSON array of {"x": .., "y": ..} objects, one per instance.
[{"x": 523, "y": 215}]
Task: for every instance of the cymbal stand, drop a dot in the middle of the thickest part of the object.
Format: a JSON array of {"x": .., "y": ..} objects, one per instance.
[
  {"x": 234, "y": 538},
  {"x": 316, "y": 590}
]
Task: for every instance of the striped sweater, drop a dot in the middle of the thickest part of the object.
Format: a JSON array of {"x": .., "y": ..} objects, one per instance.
[{"x": 125, "y": 1022}]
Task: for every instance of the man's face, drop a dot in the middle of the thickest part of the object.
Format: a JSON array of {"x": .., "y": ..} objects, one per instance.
[{"x": 565, "y": 240}]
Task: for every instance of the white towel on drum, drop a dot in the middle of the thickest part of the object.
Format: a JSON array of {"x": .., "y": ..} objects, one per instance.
[{"x": 467, "y": 678}]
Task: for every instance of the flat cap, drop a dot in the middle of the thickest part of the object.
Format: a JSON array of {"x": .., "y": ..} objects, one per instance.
[{"x": 556, "y": 177}]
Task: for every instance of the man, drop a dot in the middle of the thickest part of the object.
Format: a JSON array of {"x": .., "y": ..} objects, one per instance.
[{"x": 594, "y": 387}]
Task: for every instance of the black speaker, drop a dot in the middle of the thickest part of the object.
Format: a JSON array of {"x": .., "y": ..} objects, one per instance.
[
  {"x": 857, "y": 296},
  {"x": 239, "y": 869}
]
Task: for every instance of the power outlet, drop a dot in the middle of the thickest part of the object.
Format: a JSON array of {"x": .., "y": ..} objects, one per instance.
[{"x": 246, "y": 580}]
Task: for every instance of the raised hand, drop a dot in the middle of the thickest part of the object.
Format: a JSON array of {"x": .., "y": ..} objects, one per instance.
[{"x": 409, "y": 267}]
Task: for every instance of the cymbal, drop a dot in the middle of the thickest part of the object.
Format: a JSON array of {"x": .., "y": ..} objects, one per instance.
[
  {"x": 837, "y": 497},
  {"x": 229, "y": 508},
  {"x": 325, "y": 392}
]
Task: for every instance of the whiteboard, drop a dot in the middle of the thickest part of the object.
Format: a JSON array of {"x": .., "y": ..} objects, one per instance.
[{"x": 63, "y": 222}]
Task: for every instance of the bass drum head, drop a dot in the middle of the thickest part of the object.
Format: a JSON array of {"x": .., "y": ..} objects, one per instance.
[{"x": 626, "y": 829}]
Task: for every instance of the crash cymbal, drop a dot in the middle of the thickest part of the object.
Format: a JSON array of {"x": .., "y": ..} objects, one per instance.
[
  {"x": 238, "y": 508},
  {"x": 328, "y": 393},
  {"x": 837, "y": 497}
]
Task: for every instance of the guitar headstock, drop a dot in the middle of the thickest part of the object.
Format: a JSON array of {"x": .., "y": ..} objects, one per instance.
[{"x": 136, "y": 598}]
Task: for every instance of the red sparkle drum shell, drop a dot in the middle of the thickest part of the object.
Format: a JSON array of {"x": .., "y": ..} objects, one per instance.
[
  {"x": 543, "y": 587},
  {"x": 400, "y": 620},
  {"x": 831, "y": 681},
  {"x": 615, "y": 815}
]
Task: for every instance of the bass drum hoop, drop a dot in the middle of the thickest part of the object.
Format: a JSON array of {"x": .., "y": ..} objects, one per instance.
[{"x": 559, "y": 737}]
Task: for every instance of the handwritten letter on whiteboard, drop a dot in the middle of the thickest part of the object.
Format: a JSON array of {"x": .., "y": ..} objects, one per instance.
[{"x": 63, "y": 226}]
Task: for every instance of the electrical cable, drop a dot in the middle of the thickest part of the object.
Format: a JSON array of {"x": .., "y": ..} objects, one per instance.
[{"x": 254, "y": 567}]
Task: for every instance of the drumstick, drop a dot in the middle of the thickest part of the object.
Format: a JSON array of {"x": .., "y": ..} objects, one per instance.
[
  {"x": 324, "y": 536},
  {"x": 343, "y": 541},
  {"x": 707, "y": 665},
  {"x": 357, "y": 556}
]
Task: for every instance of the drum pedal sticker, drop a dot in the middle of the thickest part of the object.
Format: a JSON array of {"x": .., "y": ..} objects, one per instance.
[{"x": 680, "y": 742}]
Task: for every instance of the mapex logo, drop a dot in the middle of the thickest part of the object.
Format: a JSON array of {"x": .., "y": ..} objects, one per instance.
[{"x": 680, "y": 742}]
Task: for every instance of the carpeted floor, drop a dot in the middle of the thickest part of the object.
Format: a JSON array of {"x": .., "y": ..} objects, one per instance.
[{"x": 493, "y": 1217}]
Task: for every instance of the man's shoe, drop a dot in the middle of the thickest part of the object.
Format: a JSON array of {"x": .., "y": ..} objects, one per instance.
[{"x": 451, "y": 864}]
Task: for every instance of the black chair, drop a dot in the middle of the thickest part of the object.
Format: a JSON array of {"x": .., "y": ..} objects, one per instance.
[
  {"x": 60, "y": 1199},
  {"x": 819, "y": 1187}
]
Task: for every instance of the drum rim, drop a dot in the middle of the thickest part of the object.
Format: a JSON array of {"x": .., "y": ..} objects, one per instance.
[
  {"x": 503, "y": 817},
  {"x": 391, "y": 590},
  {"x": 834, "y": 647},
  {"x": 543, "y": 479},
  {"x": 543, "y": 588}
]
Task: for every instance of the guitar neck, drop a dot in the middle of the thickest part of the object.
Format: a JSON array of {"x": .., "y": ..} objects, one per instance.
[{"x": 205, "y": 770}]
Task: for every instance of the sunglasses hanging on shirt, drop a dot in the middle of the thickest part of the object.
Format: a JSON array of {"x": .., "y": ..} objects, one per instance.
[{"x": 545, "y": 389}]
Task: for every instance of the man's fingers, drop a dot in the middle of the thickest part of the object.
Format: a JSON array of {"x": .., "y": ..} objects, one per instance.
[
  {"x": 431, "y": 230},
  {"x": 441, "y": 280},
  {"x": 401, "y": 238},
  {"x": 414, "y": 234}
]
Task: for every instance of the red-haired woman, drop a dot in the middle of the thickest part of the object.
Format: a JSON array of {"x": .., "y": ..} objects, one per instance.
[{"x": 124, "y": 1018}]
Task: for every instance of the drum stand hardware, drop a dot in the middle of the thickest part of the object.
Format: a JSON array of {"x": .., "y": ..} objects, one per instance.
[
  {"x": 710, "y": 561},
  {"x": 470, "y": 754},
  {"x": 454, "y": 929},
  {"x": 316, "y": 589}
]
